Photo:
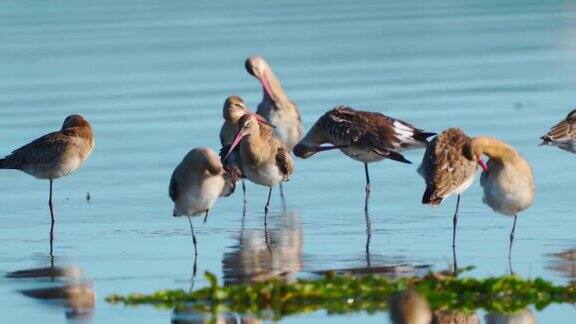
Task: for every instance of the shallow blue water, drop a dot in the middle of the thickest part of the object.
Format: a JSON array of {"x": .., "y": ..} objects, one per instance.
[{"x": 152, "y": 76}]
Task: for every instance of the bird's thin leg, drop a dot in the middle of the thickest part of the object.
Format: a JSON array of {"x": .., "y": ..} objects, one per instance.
[
  {"x": 206, "y": 216},
  {"x": 266, "y": 207},
  {"x": 282, "y": 195},
  {"x": 267, "y": 239},
  {"x": 512, "y": 237},
  {"x": 50, "y": 203},
  {"x": 244, "y": 194},
  {"x": 454, "y": 260},
  {"x": 52, "y": 246},
  {"x": 455, "y": 222},
  {"x": 194, "y": 271},
  {"x": 368, "y": 238},
  {"x": 368, "y": 189},
  {"x": 193, "y": 236}
]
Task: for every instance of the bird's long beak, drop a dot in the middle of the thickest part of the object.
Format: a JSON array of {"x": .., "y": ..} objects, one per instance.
[
  {"x": 262, "y": 120},
  {"x": 267, "y": 87},
  {"x": 483, "y": 165},
  {"x": 237, "y": 140},
  {"x": 330, "y": 147}
]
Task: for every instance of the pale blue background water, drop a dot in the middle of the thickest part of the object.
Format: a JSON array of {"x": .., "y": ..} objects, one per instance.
[{"x": 151, "y": 77}]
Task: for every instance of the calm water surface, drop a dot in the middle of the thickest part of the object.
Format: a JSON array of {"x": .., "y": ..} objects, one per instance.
[{"x": 151, "y": 77}]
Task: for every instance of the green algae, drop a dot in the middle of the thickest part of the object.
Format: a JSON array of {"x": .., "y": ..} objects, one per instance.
[{"x": 342, "y": 294}]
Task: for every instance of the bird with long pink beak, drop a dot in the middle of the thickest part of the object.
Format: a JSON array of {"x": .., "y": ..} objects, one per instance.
[
  {"x": 264, "y": 159},
  {"x": 276, "y": 106},
  {"x": 234, "y": 108}
]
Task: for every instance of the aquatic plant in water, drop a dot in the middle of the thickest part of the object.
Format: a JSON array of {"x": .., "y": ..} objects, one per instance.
[{"x": 340, "y": 294}]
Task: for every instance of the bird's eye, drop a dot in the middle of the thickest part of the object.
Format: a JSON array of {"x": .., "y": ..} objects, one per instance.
[{"x": 247, "y": 124}]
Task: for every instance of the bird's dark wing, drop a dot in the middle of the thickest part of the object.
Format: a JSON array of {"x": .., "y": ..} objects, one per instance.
[
  {"x": 45, "y": 150},
  {"x": 173, "y": 188},
  {"x": 232, "y": 163},
  {"x": 372, "y": 131}
]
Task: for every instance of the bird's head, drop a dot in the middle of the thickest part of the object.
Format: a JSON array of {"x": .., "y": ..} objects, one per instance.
[{"x": 234, "y": 108}]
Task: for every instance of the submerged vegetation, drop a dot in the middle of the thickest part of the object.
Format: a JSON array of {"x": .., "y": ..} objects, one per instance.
[{"x": 338, "y": 294}]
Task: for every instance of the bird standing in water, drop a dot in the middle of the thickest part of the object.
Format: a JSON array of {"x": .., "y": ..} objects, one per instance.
[
  {"x": 276, "y": 106},
  {"x": 563, "y": 134},
  {"x": 197, "y": 182},
  {"x": 507, "y": 178},
  {"x": 446, "y": 170},
  {"x": 54, "y": 155},
  {"x": 233, "y": 109},
  {"x": 363, "y": 136},
  {"x": 264, "y": 158}
]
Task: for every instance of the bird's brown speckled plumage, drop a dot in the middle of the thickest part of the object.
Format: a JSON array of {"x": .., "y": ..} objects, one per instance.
[
  {"x": 444, "y": 167},
  {"x": 368, "y": 136},
  {"x": 264, "y": 148},
  {"x": 264, "y": 159},
  {"x": 563, "y": 134},
  {"x": 55, "y": 154},
  {"x": 366, "y": 129}
]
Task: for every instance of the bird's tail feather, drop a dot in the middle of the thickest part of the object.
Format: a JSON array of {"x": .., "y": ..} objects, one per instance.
[
  {"x": 2, "y": 164},
  {"x": 397, "y": 157},
  {"x": 423, "y": 136}
]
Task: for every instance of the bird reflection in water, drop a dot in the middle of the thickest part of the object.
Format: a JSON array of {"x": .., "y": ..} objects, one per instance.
[
  {"x": 274, "y": 253},
  {"x": 259, "y": 255},
  {"x": 564, "y": 263},
  {"x": 409, "y": 307},
  {"x": 186, "y": 314},
  {"x": 524, "y": 316},
  {"x": 453, "y": 317},
  {"x": 67, "y": 289}
]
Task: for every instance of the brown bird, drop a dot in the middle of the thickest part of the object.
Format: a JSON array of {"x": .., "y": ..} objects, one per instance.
[
  {"x": 197, "y": 182},
  {"x": 363, "y": 136},
  {"x": 446, "y": 170},
  {"x": 563, "y": 134},
  {"x": 507, "y": 178},
  {"x": 54, "y": 155},
  {"x": 263, "y": 157},
  {"x": 276, "y": 107},
  {"x": 409, "y": 307},
  {"x": 234, "y": 108}
]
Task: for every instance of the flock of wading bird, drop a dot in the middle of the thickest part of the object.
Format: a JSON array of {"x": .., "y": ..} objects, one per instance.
[{"x": 257, "y": 146}]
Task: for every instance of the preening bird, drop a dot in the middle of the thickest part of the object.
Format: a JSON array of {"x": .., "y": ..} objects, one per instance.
[
  {"x": 446, "y": 170},
  {"x": 197, "y": 182},
  {"x": 507, "y": 178},
  {"x": 363, "y": 136}
]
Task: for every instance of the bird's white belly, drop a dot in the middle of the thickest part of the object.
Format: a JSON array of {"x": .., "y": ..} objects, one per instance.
[
  {"x": 362, "y": 155},
  {"x": 55, "y": 170},
  {"x": 506, "y": 193},
  {"x": 465, "y": 185},
  {"x": 268, "y": 175},
  {"x": 199, "y": 197}
]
